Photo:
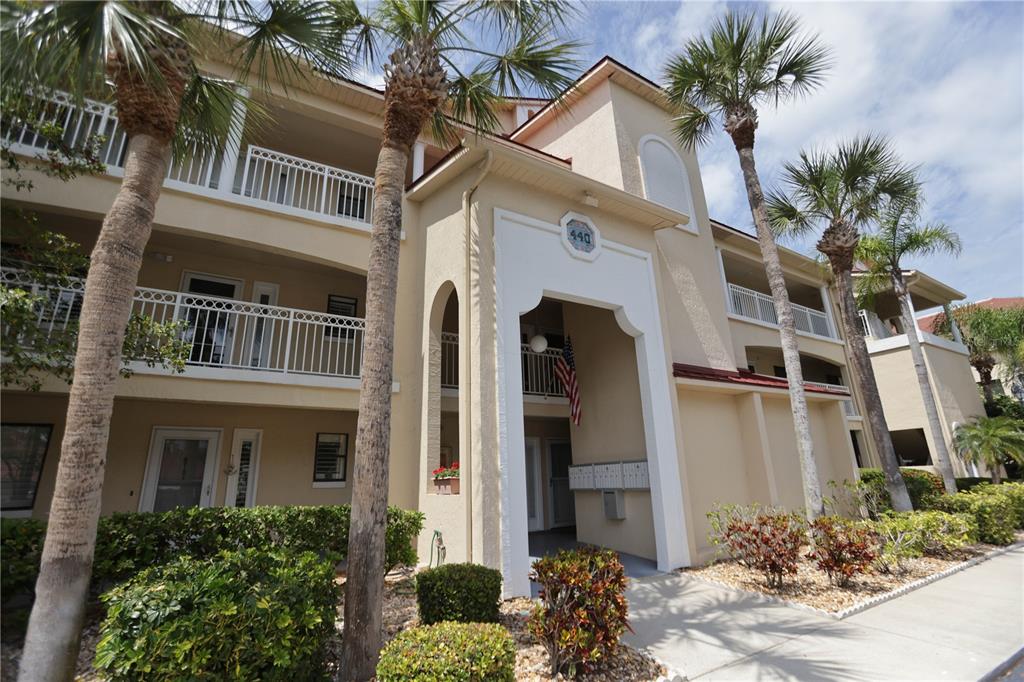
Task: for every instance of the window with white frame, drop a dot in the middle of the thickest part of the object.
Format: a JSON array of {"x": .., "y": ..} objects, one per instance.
[
  {"x": 331, "y": 458},
  {"x": 345, "y": 306},
  {"x": 23, "y": 448},
  {"x": 665, "y": 178}
]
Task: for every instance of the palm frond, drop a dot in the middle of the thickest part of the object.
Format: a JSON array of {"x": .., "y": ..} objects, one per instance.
[{"x": 693, "y": 127}]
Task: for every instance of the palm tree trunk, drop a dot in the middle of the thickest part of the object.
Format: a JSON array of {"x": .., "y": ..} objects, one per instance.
[
  {"x": 787, "y": 332},
  {"x": 867, "y": 386},
  {"x": 51, "y": 644},
  {"x": 984, "y": 367},
  {"x": 942, "y": 461}
]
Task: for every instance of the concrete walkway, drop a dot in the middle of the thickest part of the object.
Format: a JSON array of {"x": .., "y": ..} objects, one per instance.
[{"x": 958, "y": 628}]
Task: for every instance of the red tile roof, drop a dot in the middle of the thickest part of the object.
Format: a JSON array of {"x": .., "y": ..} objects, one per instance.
[
  {"x": 927, "y": 323},
  {"x": 743, "y": 376}
]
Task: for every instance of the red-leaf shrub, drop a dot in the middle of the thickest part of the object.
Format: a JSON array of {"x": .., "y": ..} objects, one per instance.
[
  {"x": 764, "y": 539},
  {"x": 842, "y": 548},
  {"x": 582, "y": 612}
]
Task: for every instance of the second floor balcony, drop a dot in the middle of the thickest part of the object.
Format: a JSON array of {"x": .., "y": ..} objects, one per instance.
[
  {"x": 759, "y": 306},
  {"x": 539, "y": 378},
  {"x": 227, "y": 338}
]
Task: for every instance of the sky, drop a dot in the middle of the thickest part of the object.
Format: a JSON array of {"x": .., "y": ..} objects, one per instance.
[{"x": 944, "y": 80}]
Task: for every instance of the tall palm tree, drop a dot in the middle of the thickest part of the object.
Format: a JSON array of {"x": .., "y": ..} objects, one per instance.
[
  {"x": 723, "y": 77},
  {"x": 991, "y": 441},
  {"x": 838, "y": 193},
  {"x": 149, "y": 52},
  {"x": 439, "y": 74},
  {"x": 901, "y": 234}
]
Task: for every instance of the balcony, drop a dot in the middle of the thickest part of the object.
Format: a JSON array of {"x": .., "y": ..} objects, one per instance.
[
  {"x": 755, "y": 305},
  {"x": 255, "y": 175},
  {"x": 539, "y": 378},
  {"x": 228, "y": 339},
  {"x": 849, "y": 407}
]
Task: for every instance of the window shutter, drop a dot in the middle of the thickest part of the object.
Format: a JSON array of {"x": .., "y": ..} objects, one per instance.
[{"x": 330, "y": 458}]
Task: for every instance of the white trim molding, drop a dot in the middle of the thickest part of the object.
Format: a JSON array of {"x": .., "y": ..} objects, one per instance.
[{"x": 529, "y": 265}]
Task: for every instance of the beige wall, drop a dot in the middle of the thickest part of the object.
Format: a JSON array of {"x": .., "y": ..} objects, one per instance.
[{"x": 286, "y": 456}]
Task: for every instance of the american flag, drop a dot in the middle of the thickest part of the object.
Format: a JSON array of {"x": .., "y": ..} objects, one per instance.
[{"x": 565, "y": 370}]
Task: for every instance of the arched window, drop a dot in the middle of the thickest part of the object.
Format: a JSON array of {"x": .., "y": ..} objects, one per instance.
[{"x": 665, "y": 179}]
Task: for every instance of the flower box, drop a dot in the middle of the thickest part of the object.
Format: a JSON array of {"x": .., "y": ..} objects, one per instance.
[{"x": 446, "y": 486}]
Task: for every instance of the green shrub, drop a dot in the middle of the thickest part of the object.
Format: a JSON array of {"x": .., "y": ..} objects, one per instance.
[
  {"x": 924, "y": 487},
  {"x": 449, "y": 652},
  {"x": 583, "y": 609},
  {"x": 841, "y": 548},
  {"x": 992, "y": 513},
  {"x": 238, "y": 616},
  {"x": 21, "y": 547},
  {"x": 967, "y": 483},
  {"x": 909, "y": 535},
  {"x": 128, "y": 543},
  {"x": 763, "y": 539},
  {"x": 467, "y": 593},
  {"x": 1014, "y": 494}
]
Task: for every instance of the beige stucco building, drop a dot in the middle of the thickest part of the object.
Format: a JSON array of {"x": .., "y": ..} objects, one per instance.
[{"x": 584, "y": 221}]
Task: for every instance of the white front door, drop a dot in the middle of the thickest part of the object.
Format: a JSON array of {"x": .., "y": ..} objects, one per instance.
[
  {"x": 181, "y": 469},
  {"x": 534, "y": 495},
  {"x": 245, "y": 466},
  {"x": 563, "y": 502}
]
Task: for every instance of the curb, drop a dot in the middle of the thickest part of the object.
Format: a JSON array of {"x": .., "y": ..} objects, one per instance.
[
  {"x": 873, "y": 601},
  {"x": 1001, "y": 669}
]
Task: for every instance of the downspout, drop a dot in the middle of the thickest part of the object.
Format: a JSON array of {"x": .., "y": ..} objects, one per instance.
[{"x": 465, "y": 377}]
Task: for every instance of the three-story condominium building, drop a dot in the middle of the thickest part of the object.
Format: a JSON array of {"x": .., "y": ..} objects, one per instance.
[{"x": 581, "y": 223}]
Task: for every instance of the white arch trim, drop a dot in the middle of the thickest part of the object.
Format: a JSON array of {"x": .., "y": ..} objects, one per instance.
[
  {"x": 684, "y": 177},
  {"x": 531, "y": 263}
]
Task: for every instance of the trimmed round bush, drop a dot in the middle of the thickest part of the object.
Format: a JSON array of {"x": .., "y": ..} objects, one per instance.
[
  {"x": 242, "y": 615},
  {"x": 1012, "y": 492},
  {"x": 449, "y": 652},
  {"x": 993, "y": 513},
  {"x": 466, "y": 593}
]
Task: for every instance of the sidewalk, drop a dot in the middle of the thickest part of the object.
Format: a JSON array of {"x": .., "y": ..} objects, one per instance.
[{"x": 957, "y": 628}]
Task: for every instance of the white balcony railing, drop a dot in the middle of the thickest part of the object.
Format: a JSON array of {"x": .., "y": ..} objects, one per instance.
[
  {"x": 538, "y": 368},
  {"x": 849, "y": 407},
  {"x": 757, "y": 306},
  {"x": 226, "y": 333},
  {"x": 276, "y": 178},
  {"x": 264, "y": 177}
]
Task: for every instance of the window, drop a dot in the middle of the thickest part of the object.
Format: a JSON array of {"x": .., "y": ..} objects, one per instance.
[
  {"x": 665, "y": 179},
  {"x": 780, "y": 371},
  {"x": 345, "y": 306},
  {"x": 24, "y": 450},
  {"x": 331, "y": 458}
]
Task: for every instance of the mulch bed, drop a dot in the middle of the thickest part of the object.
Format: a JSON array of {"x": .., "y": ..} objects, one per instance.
[
  {"x": 532, "y": 661},
  {"x": 811, "y": 587}
]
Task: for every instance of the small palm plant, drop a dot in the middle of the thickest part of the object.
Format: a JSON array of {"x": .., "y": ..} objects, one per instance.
[
  {"x": 746, "y": 62},
  {"x": 991, "y": 442},
  {"x": 145, "y": 56},
  {"x": 901, "y": 234},
  {"x": 838, "y": 193}
]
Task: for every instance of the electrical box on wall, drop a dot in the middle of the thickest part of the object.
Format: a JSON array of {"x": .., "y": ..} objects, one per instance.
[{"x": 614, "y": 504}]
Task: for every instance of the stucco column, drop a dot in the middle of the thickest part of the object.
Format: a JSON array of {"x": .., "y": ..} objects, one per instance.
[
  {"x": 826, "y": 303},
  {"x": 725, "y": 282},
  {"x": 229, "y": 162}
]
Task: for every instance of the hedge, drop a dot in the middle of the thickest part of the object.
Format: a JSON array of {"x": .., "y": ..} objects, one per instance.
[
  {"x": 906, "y": 535},
  {"x": 1012, "y": 492},
  {"x": 241, "y": 615},
  {"x": 924, "y": 487},
  {"x": 467, "y": 593},
  {"x": 456, "y": 652},
  {"x": 128, "y": 543},
  {"x": 993, "y": 513}
]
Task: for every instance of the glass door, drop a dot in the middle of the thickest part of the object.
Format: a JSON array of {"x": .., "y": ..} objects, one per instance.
[
  {"x": 211, "y": 324},
  {"x": 181, "y": 469},
  {"x": 563, "y": 504}
]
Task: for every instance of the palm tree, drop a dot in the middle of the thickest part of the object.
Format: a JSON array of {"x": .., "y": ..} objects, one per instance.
[
  {"x": 743, "y": 63},
  {"x": 902, "y": 234},
  {"x": 992, "y": 336},
  {"x": 149, "y": 52},
  {"x": 991, "y": 441},
  {"x": 437, "y": 73},
  {"x": 838, "y": 193}
]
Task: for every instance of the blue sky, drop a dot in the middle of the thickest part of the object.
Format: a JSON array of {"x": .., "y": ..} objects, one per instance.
[{"x": 943, "y": 80}]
